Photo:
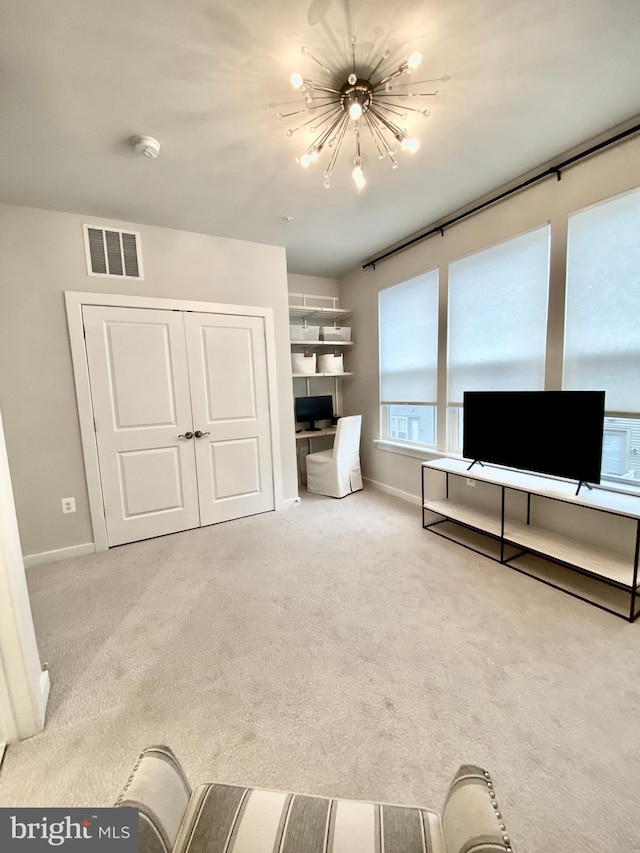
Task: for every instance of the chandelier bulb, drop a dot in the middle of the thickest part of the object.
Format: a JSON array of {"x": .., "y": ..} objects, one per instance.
[
  {"x": 395, "y": 164},
  {"x": 426, "y": 113},
  {"x": 305, "y": 50},
  {"x": 312, "y": 130},
  {"x": 437, "y": 93},
  {"x": 290, "y": 132},
  {"x": 327, "y": 184},
  {"x": 414, "y": 60},
  {"x": 386, "y": 54},
  {"x": 410, "y": 144},
  {"x": 305, "y": 160},
  {"x": 352, "y": 79},
  {"x": 357, "y": 175},
  {"x": 388, "y": 87},
  {"x": 308, "y": 98},
  {"x": 314, "y": 156},
  {"x": 296, "y": 80},
  {"x": 355, "y": 111}
]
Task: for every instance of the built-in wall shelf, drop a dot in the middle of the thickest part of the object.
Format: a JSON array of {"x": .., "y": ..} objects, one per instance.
[
  {"x": 318, "y": 375},
  {"x": 528, "y": 515},
  {"x": 321, "y": 344},
  {"x": 317, "y": 316}
]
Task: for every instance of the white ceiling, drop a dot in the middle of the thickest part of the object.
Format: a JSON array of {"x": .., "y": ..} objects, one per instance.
[{"x": 530, "y": 79}]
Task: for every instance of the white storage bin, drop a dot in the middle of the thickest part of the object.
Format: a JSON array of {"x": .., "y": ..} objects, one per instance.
[
  {"x": 335, "y": 333},
  {"x": 302, "y": 333},
  {"x": 330, "y": 363},
  {"x": 301, "y": 363}
]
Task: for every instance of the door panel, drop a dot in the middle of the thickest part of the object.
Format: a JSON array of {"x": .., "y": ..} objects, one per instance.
[
  {"x": 150, "y": 480},
  {"x": 235, "y": 467},
  {"x": 229, "y": 392},
  {"x": 141, "y": 401},
  {"x": 231, "y": 383}
]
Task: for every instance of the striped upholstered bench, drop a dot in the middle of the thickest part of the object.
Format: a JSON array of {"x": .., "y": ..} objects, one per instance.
[{"x": 231, "y": 819}]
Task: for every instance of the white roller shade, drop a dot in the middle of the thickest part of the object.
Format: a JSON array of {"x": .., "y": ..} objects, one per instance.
[
  {"x": 408, "y": 318},
  {"x": 498, "y": 317},
  {"x": 602, "y": 319}
]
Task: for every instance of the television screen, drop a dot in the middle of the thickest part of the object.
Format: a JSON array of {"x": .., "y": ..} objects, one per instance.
[
  {"x": 311, "y": 409},
  {"x": 549, "y": 432}
]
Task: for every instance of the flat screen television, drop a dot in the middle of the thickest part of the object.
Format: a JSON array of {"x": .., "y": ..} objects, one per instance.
[
  {"x": 312, "y": 409},
  {"x": 549, "y": 432}
]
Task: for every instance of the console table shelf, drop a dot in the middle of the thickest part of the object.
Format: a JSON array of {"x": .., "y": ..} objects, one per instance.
[
  {"x": 469, "y": 516},
  {"x": 516, "y": 510}
]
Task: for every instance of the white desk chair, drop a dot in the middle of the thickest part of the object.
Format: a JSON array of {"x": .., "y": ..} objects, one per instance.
[{"x": 336, "y": 472}]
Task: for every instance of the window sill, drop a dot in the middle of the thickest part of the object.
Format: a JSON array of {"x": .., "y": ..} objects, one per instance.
[{"x": 402, "y": 449}]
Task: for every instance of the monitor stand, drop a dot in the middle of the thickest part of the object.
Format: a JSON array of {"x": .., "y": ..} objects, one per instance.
[
  {"x": 312, "y": 427},
  {"x": 583, "y": 483}
]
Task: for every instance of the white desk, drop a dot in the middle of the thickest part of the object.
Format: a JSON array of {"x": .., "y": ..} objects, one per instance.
[{"x": 315, "y": 433}]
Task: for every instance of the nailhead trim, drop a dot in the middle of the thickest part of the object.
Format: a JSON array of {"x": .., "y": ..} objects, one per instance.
[
  {"x": 129, "y": 780},
  {"x": 494, "y": 802}
]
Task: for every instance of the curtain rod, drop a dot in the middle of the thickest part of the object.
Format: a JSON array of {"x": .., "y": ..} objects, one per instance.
[{"x": 552, "y": 170}]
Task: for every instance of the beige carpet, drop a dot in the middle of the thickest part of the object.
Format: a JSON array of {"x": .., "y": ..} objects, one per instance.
[{"x": 337, "y": 649}]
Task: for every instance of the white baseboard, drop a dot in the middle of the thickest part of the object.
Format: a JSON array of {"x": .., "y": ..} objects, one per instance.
[
  {"x": 398, "y": 493},
  {"x": 287, "y": 503},
  {"x": 58, "y": 554}
]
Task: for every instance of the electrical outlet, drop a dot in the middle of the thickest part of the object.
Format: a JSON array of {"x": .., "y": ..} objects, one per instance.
[
  {"x": 68, "y": 505},
  {"x": 471, "y": 483}
]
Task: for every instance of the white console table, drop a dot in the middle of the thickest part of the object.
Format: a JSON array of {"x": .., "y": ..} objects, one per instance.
[{"x": 513, "y": 517}]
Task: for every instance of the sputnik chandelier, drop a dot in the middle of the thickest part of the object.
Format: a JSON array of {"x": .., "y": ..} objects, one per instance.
[{"x": 362, "y": 104}]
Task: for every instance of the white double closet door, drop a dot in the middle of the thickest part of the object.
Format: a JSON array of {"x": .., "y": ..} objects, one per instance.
[{"x": 181, "y": 412}]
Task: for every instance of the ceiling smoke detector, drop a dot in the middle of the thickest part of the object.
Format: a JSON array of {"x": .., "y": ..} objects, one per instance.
[{"x": 147, "y": 146}]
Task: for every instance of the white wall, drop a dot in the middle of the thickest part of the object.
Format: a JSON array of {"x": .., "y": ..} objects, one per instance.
[
  {"x": 41, "y": 256},
  {"x": 313, "y": 284},
  {"x": 613, "y": 171}
]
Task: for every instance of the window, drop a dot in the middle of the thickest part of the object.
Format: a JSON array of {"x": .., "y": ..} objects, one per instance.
[
  {"x": 412, "y": 423},
  {"x": 408, "y": 325},
  {"x": 398, "y": 427},
  {"x": 498, "y": 317},
  {"x": 602, "y": 332},
  {"x": 621, "y": 451}
]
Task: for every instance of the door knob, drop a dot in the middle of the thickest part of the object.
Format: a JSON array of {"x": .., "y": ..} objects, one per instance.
[
  {"x": 199, "y": 434},
  {"x": 186, "y": 435}
]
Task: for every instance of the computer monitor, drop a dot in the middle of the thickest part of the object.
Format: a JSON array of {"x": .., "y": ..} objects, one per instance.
[{"x": 312, "y": 409}]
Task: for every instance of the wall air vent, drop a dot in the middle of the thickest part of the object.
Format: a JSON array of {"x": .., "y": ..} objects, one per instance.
[{"x": 113, "y": 253}]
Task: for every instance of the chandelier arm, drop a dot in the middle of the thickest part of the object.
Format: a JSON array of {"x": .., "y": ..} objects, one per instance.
[
  {"x": 334, "y": 156},
  {"x": 382, "y": 59},
  {"x": 393, "y": 76},
  {"x": 408, "y": 94},
  {"x": 393, "y": 128},
  {"x": 321, "y": 64},
  {"x": 295, "y": 113},
  {"x": 372, "y": 128},
  {"x": 393, "y": 110},
  {"x": 326, "y": 133},
  {"x": 375, "y": 126},
  {"x": 317, "y": 88},
  {"x": 309, "y": 121}
]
